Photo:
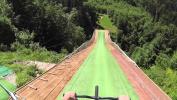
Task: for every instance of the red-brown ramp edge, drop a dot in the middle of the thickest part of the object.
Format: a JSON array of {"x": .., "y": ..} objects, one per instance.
[
  {"x": 143, "y": 85},
  {"x": 50, "y": 84}
]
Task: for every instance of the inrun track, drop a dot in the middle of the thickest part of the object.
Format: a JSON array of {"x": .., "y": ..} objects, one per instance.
[{"x": 100, "y": 62}]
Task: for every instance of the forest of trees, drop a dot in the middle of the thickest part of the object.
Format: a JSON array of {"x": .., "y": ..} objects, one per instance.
[
  {"x": 52, "y": 24},
  {"x": 147, "y": 30}
]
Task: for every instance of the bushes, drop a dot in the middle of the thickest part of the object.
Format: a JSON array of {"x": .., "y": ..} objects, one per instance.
[
  {"x": 6, "y": 27},
  {"x": 174, "y": 61},
  {"x": 165, "y": 78},
  {"x": 28, "y": 54},
  {"x": 16, "y": 68},
  {"x": 26, "y": 75},
  {"x": 163, "y": 61},
  {"x": 22, "y": 78},
  {"x": 145, "y": 56}
]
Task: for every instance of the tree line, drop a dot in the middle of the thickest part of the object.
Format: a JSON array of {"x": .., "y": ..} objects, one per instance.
[
  {"x": 53, "y": 24},
  {"x": 41, "y": 30}
]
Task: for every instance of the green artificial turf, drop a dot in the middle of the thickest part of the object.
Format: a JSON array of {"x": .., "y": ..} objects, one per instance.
[
  {"x": 106, "y": 23},
  {"x": 9, "y": 86},
  {"x": 5, "y": 71},
  {"x": 100, "y": 68}
]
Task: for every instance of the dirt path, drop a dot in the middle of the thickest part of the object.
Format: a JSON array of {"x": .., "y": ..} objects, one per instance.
[
  {"x": 11, "y": 78},
  {"x": 40, "y": 65},
  {"x": 49, "y": 85},
  {"x": 145, "y": 88}
]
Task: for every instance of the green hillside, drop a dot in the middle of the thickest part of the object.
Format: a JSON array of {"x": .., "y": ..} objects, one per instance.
[{"x": 105, "y": 22}]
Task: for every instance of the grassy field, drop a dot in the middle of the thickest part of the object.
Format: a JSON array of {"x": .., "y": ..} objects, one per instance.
[
  {"x": 26, "y": 73},
  {"x": 105, "y": 22}
]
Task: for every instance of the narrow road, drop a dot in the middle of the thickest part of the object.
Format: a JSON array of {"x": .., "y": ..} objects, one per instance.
[{"x": 102, "y": 69}]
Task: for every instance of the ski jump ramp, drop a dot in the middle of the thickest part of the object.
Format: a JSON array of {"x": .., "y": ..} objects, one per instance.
[{"x": 97, "y": 62}]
